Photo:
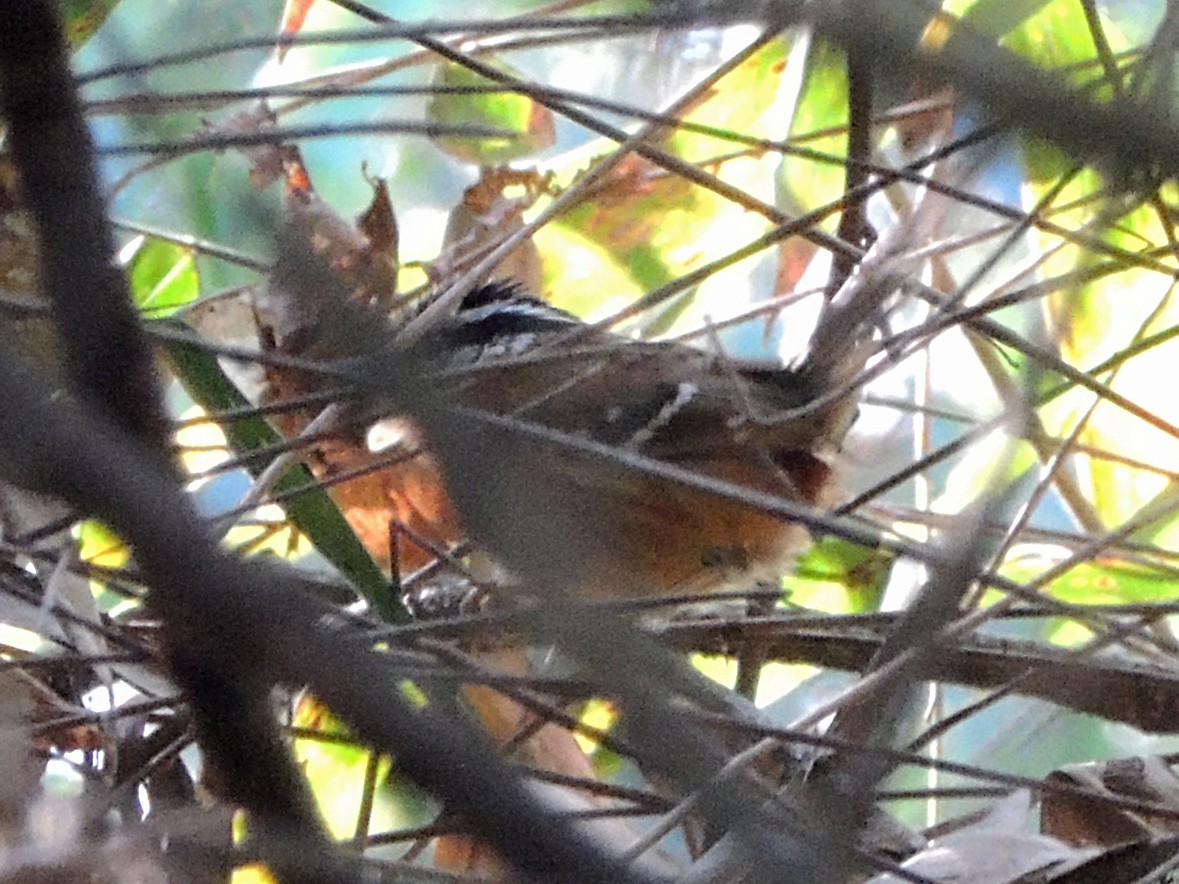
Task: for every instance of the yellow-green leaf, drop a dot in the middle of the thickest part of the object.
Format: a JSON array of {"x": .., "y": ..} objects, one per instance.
[
  {"x": 1101, "y": 581},
  {"x": 163, "y": 277},
  {"x": 531, "y": 123},
  {"x": 655, "y": 226},
  {"x": 339, "y": 771},
  {"x": 806, "y": 183},
  {"x": 839, "y": 577}
]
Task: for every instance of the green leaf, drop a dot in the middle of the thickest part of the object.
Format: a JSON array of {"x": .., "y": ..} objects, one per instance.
[
  {"x": 1101, "y": 581},
  {"x": 565, "y": 253},
  {"x": 83, "y": 18},
  {"x": 1093, "y": 322},
  {"x": 309, "y": 507},
  {"x": 839, "y": 577},
  {"x": 744, "y": 102},
  {"x": 998, "y": 17},
  {"x": 806, "y": 183},
  {"x": 163, "y": 277},
  {"x": 337, "y": 771},
  {"x": 531, "y": 122},
  {"x": 1058, "y": 36}
]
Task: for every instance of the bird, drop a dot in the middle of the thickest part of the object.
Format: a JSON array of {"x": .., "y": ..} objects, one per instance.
[
  {"x": 702, "y": 411},
  {"x": 507, "y": 352}
]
